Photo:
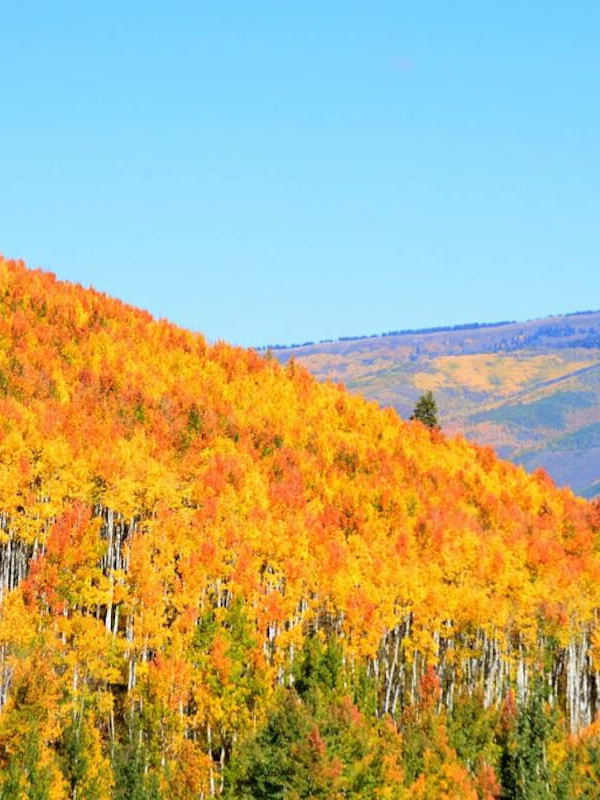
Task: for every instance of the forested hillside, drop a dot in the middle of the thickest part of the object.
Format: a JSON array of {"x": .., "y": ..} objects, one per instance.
[
  {"x": 529, "y": 389},
  {"x": 220, "y": 577}
]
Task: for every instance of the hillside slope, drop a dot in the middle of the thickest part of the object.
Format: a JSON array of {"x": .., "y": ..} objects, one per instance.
[
  {"x": 530, "y": 390},
  {"x": 219, "y": 576}
]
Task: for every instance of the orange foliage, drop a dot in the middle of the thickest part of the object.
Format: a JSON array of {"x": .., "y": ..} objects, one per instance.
[{"x": 151, "y": 480}]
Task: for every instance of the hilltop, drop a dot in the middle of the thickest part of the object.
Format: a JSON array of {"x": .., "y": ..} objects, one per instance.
[
  {"x": 221, "y": 577},
  {"x": 528, "y": 389}
]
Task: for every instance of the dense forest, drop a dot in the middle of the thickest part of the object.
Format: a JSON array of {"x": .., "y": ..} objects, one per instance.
[{"x": 219, "y": 577}]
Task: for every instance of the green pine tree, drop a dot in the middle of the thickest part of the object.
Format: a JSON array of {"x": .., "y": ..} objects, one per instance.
[{"x": 426, "y": 410}]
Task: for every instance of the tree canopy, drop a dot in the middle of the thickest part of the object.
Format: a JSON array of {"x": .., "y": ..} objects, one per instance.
[
  {"x": 211, "y": 565},
  {"x": 425, "y": 410}
]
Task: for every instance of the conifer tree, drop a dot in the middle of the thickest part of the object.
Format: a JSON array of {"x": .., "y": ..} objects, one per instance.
[{"x": 426, "y": 410}]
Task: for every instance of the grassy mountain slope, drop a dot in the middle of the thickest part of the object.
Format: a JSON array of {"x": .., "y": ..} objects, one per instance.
[
  {"x": 528, "y": 389},
  {"x": 220, "y": 577}
]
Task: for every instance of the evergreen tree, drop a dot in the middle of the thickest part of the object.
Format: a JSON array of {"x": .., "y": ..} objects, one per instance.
[
  {"x": 426, "y": 410},
  {"x": 524, "y": 740}
]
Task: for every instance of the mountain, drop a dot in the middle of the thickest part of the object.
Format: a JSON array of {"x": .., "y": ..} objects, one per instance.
[
  {"x": 530, "y": 389},
  {"x": 220, "y": 577}
]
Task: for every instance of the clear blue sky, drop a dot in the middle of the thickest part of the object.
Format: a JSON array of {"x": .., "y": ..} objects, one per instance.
[{"x": 280, "y": 171}]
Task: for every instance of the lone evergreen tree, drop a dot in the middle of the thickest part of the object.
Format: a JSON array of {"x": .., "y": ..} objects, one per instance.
[{"x": 426, "y": 410}]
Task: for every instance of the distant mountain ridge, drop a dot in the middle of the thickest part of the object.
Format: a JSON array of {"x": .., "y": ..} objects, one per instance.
[
  {"x": 465, "y": 326},
  {"x": 530, "y": 389}
]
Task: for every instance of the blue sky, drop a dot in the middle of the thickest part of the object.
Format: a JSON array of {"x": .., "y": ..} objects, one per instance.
[{"x": 271, "y": 172}]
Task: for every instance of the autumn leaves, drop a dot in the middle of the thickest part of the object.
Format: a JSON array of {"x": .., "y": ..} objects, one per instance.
[{"x": 177, "y": 521}]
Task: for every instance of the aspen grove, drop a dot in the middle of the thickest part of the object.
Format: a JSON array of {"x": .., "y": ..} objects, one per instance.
[{"x": 219, "y": 577}]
